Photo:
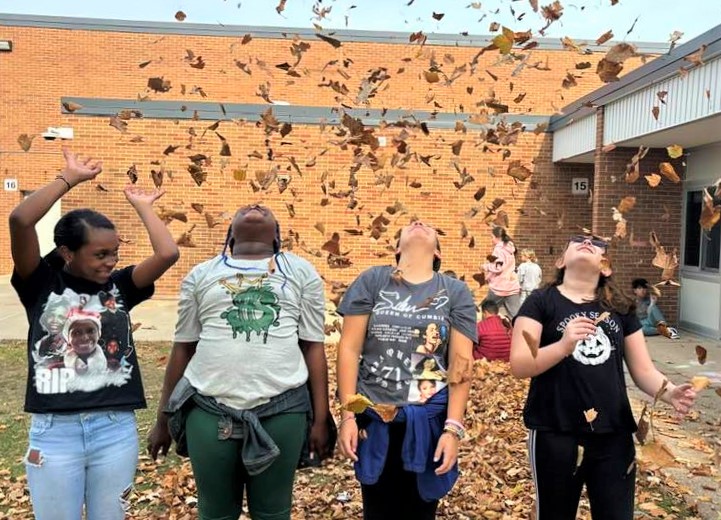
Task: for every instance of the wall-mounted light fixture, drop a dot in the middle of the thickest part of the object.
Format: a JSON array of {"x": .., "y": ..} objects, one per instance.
[{"x": 6, "y": 46}]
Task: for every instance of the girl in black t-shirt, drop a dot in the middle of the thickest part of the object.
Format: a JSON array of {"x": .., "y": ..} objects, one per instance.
[
  {"x": 577, "y": 409},
  {"x": 83, "y": 441}
]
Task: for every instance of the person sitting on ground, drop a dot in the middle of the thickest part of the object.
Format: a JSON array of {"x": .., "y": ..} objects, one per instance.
[
  {"x": 494, "y": 334},
  {"x": 652, "y": 321}
]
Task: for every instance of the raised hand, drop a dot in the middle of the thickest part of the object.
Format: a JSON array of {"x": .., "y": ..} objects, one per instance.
[
  {"x": 138, "y": 197},
  {"x": 79, "y": 170}
]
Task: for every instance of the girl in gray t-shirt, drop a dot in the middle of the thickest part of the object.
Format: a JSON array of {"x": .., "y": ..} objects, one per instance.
[{"x": 405, "y": 329}]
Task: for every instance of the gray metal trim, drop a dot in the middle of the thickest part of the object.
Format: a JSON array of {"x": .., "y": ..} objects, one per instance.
[
  {"x": 657, "y": 69},
  {"x": 700, "y": 330},
  {"x": 305, "y": 115},
  {"x": 234, "y": 31}
]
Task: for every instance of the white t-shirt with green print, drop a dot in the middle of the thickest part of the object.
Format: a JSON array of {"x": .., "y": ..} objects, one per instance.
[{"x": 247, "y": 322}]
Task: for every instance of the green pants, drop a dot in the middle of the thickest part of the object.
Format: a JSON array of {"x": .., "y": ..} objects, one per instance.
[{"x": 221, "y": 477}]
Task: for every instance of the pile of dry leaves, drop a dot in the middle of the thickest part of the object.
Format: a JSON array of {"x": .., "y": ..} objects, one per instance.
[{"x": 495, "y": 483}]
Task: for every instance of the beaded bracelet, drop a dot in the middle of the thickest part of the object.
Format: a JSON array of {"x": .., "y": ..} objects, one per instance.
[
  {"x": 455, "y": 423},
  {"x": 60, "y": 177},
  {"x": 458, "y": 432}
]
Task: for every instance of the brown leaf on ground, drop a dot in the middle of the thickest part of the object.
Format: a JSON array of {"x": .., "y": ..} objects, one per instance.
[{"x": 701, "y": 354}]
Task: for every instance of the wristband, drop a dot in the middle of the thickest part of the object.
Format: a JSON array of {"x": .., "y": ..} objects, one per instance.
[
  {"x": 458, "y": 432},
  {"x": 60, "y": 177},
  {"x": 455, "y": 423}
]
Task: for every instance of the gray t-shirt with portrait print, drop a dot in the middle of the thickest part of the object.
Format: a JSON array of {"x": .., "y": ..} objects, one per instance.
[{"x": 405, "y": 351}]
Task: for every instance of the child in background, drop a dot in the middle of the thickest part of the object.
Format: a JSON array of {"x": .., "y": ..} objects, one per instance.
[
  {"x": 494, "y": 334},
  {"x": 652, "y": 320},
  {"x": 529, "y": 273}
]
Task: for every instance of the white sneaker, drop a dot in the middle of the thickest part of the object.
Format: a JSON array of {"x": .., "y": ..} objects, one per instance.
[{"x": 673, "y": 333}]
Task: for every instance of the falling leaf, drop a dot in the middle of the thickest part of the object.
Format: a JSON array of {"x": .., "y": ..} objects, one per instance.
[
  {"x": 197, "y": 207},
  {"x": 504, "y": 41},
  {"x": 710, "y": 213},
  {"x": 701, "y": 354},
  {"x": 626, "y": 204},
  {"x": 604, "y": 37},
  {"x": 661, "y": 391},
  {"x": 281, "y": 6},
  {"x": 180, "y": 16},
  {"x": 157, "y": 177},
  {"x": 518, "y": 171},
  {"x": 602, "y": 317},
  {"x": 643, "y": 427},
  {"x": 133, "y": 174},
  {"x": 117, "y": 123},
  {"x": 674, "y": 151},
  {"x": 579, "y": 456},
  {"x": 356, "y": 404},
  {"x": 456, "y": 147},
  {"x": 591, "y": 414},
  {"x": 332, "y": 41},
  {"x": 71, "y": 106},
  {"x": 653, "y": 179},
  {"x": 431, "y": 76},
  {"x": 438, "y": 16},
  {"x": 533, "y": 343},
  {"x": 668, "y": 171},
  {"x": 654, "y": 112},
  {"x": 25, "y": 141},
  {"x": 695, "y": 57},
  {"x": 700, "y": 382},
  {"x": 387, "y": 412},
  {"x": 480, "y": 193},
  {"x": 159, "y": 84},
  {"x": 239, "y": 174},
  {"x": 186, "y": 239}
]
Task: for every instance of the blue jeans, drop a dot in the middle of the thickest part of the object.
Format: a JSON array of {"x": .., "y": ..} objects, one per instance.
[
  {"x": 648, "y": 324},
  {"x": 81, "y": 459}
]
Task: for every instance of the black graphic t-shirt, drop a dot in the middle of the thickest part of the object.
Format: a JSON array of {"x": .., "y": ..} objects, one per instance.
[
  {"x": 80, "y": 347},
  {"x": 592, "y": 377},
  {"x": 405, "y": 352}
]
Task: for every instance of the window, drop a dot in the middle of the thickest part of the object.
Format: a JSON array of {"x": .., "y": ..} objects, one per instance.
[{"x": 701, "y": 249}]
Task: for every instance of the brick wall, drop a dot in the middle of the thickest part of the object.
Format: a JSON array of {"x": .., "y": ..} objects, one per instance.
[
  {"x": 657, "y": 209},
  {"x": 541, "y": 211}
]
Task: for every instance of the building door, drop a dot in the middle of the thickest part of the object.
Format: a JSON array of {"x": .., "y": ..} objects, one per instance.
[{"x": 45, "y": 228}]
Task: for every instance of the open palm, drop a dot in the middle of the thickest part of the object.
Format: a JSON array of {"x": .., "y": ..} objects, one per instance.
[{"x": 78, "y": 170}]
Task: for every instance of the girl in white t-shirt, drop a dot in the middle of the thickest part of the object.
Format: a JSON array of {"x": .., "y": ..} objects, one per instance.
[
  {"x": 529, "y": 273},
  {"x": 248, "y": 343}
]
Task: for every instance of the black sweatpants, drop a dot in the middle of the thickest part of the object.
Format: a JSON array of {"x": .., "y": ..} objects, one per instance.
[
  {"x": 608, "y": 469},
  {"x": 395, "y": 496}
]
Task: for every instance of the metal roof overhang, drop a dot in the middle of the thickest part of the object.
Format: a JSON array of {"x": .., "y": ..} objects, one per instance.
[{"x": 690, "y": 116}]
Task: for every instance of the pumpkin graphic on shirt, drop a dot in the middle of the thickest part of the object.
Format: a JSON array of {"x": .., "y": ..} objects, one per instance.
[{"x": 594, "y": 350}]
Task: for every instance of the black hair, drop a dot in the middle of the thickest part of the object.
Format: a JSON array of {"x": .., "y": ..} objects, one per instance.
[
  {"x": 436, "y": 260},
  {"x": 489, "y": 306},
  {"x": 500, "y": 232},
  {"x": 450, "y": 273},
  {"x": 72, "y": 229},
  {"x": 639, "y": 282}
]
